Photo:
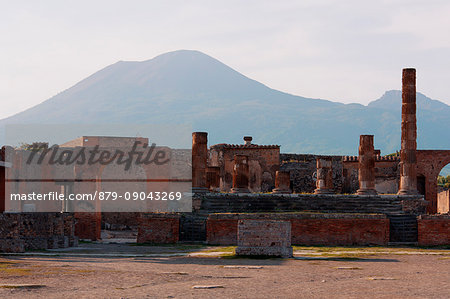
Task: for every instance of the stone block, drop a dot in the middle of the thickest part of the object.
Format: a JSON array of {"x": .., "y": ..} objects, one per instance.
[{"x": 264, "y": 237}]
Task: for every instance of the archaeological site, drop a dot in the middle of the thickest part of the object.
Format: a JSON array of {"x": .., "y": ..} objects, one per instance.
[{"x": 249, "y": 195}]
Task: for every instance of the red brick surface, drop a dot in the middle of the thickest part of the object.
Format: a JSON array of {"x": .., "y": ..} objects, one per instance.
[
  {"x": 88, "y": 226},
  {"x": 340, "y": 231},
  {"x": 154, "y": 228},
  {"x": 221, "y": 231},
  {"x": 434, "y": 230},
  {"x": 313, "y": 229}
]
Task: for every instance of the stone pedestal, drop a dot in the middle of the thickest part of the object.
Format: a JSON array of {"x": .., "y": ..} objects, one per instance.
[
  {"x": 199, "y": 161},
  {"x": 264, "y": 237},
  {"x": 240, "y": 174},
  {"x": 282, "y": 182},
  {"x": 408, "y": 159},
  {"x": 366, "y": 172},
  {"x": 324, "y": 183}
]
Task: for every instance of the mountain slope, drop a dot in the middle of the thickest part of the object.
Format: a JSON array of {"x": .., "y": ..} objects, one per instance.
[{"x": 191, "y": 87}]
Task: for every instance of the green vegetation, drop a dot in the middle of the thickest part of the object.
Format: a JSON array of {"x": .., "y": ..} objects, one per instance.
[{"x": 444, "y": 181}]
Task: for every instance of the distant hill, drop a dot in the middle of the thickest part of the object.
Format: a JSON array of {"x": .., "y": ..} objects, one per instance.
[{"x": 191, "y": 87}]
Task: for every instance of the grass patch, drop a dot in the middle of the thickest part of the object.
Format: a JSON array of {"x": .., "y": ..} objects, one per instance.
[
  {"x": 221, "y": 249},
  {"x": 176, "y": 246}
]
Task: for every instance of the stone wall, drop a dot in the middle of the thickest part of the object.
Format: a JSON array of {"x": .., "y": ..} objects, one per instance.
[
  {"x": 263, "y": 160},
  {"x": 444, "y": 201},
  {"x": 264, "y": 237},
  {"x": 387, "y": 174},
  {"x": 302, "y": 169},
  {"x": 88, "y": 225},
  {"x": 159, "y": 228},
  {"x": 429, "y": 165},
  {"x": 308, "y": 228},
  {"x": 434, "y": 230},
  {"x": 24, "y": 231}
]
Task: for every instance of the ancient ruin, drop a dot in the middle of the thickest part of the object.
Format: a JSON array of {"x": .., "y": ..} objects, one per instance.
[{"x": 340, "y": 200}]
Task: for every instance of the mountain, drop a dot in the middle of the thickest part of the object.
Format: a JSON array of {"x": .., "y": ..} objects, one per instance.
[{"x": 191, "y": 87}]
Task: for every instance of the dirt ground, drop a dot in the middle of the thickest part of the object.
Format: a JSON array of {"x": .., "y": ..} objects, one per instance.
[{"x": 81, "y": 274}]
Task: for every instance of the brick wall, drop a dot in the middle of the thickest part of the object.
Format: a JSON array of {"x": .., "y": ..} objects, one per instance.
[
  {"x": 302, "y": 169},
  {"x": 20, "y": 232},
  {"x": 308, "y": 228},
  {"x": 88, "y": 225},
  {"x": 158, "y": 228},
  {"x": 434, "y": 230}
]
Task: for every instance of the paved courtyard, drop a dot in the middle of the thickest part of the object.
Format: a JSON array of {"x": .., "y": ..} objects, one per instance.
[{"x": 194, "y": 271}]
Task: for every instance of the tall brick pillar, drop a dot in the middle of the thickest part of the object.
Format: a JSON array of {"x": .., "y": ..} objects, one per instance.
[
  {"x": 366, "y": 166},
  {"x": 324, "y": 182},
  {"x": 199, "y": 161},
  {"x": 408, "y": 159},
  {"x": 240, "y": 174},
  {"x": 282, "y": 182},
  {"x": 2, "y": 188}
]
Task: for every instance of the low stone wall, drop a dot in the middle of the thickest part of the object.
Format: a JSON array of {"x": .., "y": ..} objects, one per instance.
[
  {"x": 159, "y": 228},
  {"x": 24, "y": 231},
  {"x": 88, "y": 225},
  {"x": 433, "y": 230},
  {"x": 308, "y": 228}
]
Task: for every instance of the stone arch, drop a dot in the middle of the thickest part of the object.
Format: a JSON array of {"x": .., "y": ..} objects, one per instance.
[{"x": 429, "y": 165}]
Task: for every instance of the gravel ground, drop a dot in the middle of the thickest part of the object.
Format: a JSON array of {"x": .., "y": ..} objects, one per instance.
[{"x": 370, "y": 276}]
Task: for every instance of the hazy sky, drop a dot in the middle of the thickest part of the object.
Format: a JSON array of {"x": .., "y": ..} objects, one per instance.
[{"x": 347, "y": 51}]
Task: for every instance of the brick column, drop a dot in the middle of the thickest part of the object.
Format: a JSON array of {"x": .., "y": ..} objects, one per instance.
[
  {"x": 213, "y": 178},
  {"x": 324, "y": 182},
  {"x": 408, "y": 159},
  {"x": 199, "y": 161},
  {"x": 366, "y": 166},
  {"x": 282, "y": 182},
  {"x": 240, "y": 174}
]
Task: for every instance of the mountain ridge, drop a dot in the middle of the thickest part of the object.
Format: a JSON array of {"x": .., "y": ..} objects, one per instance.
[{"x": 188, "y": 86}]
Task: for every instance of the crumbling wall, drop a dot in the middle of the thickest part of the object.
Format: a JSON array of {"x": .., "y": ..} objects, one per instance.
[
  {"x": 24, "y": 231},
  {"x": 387, "y": 174},
  {"x": 263, "y": 161},
  {"x": 303, "y": 171}
]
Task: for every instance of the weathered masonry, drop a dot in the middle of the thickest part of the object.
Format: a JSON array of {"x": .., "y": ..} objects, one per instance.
[{"x": 367, "y": 199}]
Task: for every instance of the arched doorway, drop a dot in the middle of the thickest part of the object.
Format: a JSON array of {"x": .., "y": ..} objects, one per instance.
[{"x": 429, "y": 165}]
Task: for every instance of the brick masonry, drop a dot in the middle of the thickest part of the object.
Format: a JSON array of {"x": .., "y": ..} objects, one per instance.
[
  {"x": 264, "y": 237},
  {"x": 88, "y": 225},
  {"x": 24, "y": 231},
  {"x": 434, "y": 230},
  {"x": 308, "y": 228},
  {"x": 159, "y": 228}
]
